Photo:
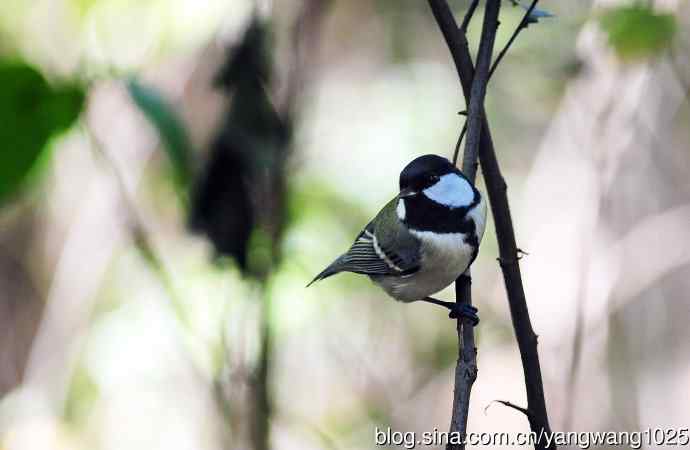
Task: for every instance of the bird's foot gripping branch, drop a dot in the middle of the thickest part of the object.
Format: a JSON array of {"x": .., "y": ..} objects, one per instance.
[{"x": 457, "y": 310}]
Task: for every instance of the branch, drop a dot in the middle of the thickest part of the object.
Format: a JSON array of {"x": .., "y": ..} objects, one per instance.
[
  {"x": 466, "y": 368},
  {"x": 522, "y": 326},
  {"x": 475, "y": 110},
  {"x": 505, "y": 234},
  {"x": 524, "y": 411},
  {"x": 521, "y": 26},
  {"x": 468, "y": 16},
  {"x": 456, "y": 41}
]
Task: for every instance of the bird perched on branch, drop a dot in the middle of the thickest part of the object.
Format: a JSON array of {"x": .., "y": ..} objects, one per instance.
[{"x": 423, "y": 239}]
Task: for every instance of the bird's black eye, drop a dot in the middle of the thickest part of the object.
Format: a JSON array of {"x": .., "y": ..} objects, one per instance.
[{"x": 434, "y": 178}]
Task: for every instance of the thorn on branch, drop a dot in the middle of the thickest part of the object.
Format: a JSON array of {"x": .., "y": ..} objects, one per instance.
[
  {"x": 503, "y": 262},
  {"x": 524, "y": 411}
]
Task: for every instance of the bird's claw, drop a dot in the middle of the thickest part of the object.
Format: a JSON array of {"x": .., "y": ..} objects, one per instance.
[
  {"x": 457, "y": 309},
  {"x": 465, "y": 311}
]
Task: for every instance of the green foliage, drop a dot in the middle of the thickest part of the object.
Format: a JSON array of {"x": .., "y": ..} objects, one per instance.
[
  {"x": 171, "y": 129},
  {"x": 637, "y": 32},
  {"x": 83, "y": 6},
  {"x": 31, "y": 112},
  {"x": 317, "y": 200},
  {"x": 81, "y": 395},
  {"x": 259, "y": 256}
]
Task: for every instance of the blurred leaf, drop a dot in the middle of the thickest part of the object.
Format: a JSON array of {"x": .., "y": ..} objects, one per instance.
[
  {"x": 250, "y": 59},
  {"x": 637, "y": 32},
  {"x": 259, "y": 254},
  {"x": 83, "y": 6},
  {"x": 171, "y": 130},
  {"x": 398, "y": 17},
  {"x": 81, "y": 396},
  {"x": 221, "y": 202},
  {"x": 317, "y": 199},
  {"x": 238, "y": 197},
  {"x": 535, "y": 14},
  {"x": 31, "y": 112}
]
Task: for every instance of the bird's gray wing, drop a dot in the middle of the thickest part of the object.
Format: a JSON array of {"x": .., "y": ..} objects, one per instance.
[{"x": 384, "y": 249}]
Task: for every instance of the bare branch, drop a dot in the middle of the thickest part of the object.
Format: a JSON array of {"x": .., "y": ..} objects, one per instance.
[
  {"x": 524, "y": 411},
  {"x": 466, "y": 368},
  {"x": 457, "y": 145},
  {"x": 475, "y": 110},
  {"x": 521, "y": 26},
  {"x": 468, "y": 16},
  {"x": 498, "y": 199}
]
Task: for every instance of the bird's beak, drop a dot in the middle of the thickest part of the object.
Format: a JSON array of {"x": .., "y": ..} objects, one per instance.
[{"x": 407, "y": 192}]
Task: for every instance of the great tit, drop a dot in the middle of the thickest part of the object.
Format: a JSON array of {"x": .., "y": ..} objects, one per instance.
[{"x": 423, "y": 239}]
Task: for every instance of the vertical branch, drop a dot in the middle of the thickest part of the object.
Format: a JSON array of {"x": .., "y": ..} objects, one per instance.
[
  {"x": 521, "y": 26},
  {"x": 475, "y": 110},
  {"x": 509, "y": 262},
  {"x": 498, "y": 199},
  {"x": 466, "y": 368},
  {"x": 260, "y": 427}
]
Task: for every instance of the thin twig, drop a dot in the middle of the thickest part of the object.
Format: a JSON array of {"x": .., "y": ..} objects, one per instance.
[
  {"x": 505, "y": 234},
  {"x": 524, "y": 411},
  {"x": 468, "y": 16},
  {"x": 140, "y": 234},
  {"x": 456, "y": 41},
  {"x": 466, "y": 368},
  {"x": 475, "y": 109},
  {"x": 521, "y": 26},
  {"x": 456, "y": 152}
]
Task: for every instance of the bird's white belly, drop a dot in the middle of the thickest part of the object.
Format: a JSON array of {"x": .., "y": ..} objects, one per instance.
[{"x": 444, "y": 257}]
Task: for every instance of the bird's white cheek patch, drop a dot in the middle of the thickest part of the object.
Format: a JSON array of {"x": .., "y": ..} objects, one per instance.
[
  {"x": 451, "y": 190},
  {"x": 400, "y": 210}
]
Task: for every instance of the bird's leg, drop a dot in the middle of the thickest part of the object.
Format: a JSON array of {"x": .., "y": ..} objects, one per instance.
[{"x": 456, "y": 309}]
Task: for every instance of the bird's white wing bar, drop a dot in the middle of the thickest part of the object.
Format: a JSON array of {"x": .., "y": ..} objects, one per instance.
[
  {"x": 380, "y": 252},
  {"x": 365, "y": 256}
]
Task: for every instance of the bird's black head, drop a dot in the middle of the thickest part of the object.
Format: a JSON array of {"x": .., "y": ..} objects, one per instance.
[
  {"x": 424, "y": 172},
  {"x": 434, "y": 195}
]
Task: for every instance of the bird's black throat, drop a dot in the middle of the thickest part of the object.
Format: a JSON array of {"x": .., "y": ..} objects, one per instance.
[{"x": 424, "y": 214}]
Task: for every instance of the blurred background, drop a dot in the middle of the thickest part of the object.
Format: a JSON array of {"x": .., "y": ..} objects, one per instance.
[{"x": 173, "y": 173}]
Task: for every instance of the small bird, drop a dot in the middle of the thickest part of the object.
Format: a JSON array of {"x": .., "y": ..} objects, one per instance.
[{"x": 423, "y": 239}]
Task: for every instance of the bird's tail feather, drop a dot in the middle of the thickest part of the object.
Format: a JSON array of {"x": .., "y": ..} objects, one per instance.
[{"x": 334, "y": 268}]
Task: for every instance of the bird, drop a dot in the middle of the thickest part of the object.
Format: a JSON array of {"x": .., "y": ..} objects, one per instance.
[{"x": 423, "y": 239}]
